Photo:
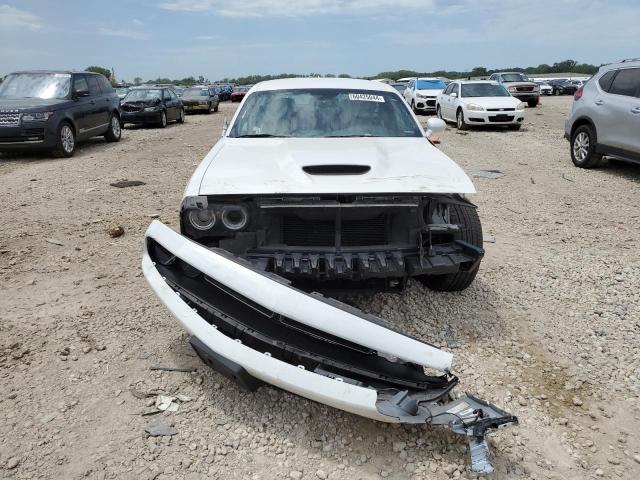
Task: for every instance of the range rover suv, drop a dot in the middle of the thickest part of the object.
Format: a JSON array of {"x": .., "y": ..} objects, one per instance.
[
  {"x": 605, "y": 117},
  {"x": 53, "y": 110}
]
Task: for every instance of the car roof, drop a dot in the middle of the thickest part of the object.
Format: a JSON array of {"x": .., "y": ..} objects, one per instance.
[
  {"x": 510, "y": 73},
  {"x": 628, "y": 63},
  {"x": 336, "y": 83},
  {"x": 64, "y": 72},
  {"x": 466, "y": 82}
]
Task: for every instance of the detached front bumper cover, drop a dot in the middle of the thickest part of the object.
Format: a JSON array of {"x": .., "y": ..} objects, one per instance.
[{"x": 255, "y": 328}]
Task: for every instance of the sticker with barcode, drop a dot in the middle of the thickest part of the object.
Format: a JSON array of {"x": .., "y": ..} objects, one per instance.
[{"x": 366, "y": 97}]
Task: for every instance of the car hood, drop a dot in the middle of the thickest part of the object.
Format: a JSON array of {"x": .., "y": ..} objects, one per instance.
[
  {"x": 493, "y": 102},
  {"x": 195, "y": 98},
  {"x": 520, "y": 84},
  {"x": 275, "y": 165},
  {"x": 29, "y": 103}
]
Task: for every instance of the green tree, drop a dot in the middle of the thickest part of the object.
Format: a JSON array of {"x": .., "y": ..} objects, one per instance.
[{"x": 95, "y": 69}]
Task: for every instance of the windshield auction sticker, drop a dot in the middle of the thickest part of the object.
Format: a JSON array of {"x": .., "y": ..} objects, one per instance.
[{"x": 366, "y": 97}]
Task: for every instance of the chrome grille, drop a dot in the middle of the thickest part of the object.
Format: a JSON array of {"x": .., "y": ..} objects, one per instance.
[{"x": 9, "y": 119}]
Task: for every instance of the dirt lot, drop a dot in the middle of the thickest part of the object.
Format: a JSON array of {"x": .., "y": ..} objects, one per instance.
[{"x": 550, "y": 330}]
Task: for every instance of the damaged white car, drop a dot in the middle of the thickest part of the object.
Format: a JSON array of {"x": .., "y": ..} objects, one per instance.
[{"x": 324, "y": 184}]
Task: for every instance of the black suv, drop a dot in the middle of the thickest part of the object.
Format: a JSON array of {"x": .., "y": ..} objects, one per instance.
[{"x": 53, "y": 110}]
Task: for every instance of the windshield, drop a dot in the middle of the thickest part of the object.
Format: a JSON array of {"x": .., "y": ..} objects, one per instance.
[
  {"x": 196, "y": 92},
  {"x": 484, "y": 90},
  {"x": 401, "y": 87},
  {"x": 36, "y": 85},
  {"x": 122, "y": 90},
  {"x": 316, "y": 113},
  {"x": 430, "y": 85},
  {"x": 143, "y": 95},
  {"x": 240, "y": 89},
  {"x": 514, "y": 77}
]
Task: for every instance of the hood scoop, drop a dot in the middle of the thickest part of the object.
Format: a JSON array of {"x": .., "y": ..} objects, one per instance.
[{"x": 336, "y": 169}]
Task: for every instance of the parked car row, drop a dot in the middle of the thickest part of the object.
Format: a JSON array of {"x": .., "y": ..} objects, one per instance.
[{"x": 54, "y": 110}]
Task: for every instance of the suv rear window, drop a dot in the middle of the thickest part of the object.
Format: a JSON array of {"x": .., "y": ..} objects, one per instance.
[
  {"x": 606, "y": 79},
  {"x": 627, "y": 83}
]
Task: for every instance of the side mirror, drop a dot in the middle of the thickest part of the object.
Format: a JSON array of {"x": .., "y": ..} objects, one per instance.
[
  {"x": 454, "y": 94},
  {"x": 435, "y": 130},
  {"x": 81, "y": 93}
]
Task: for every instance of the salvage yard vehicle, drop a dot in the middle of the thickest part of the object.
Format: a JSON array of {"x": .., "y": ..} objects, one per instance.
[
  {"x": 53, "y": 110},
  {"x": 200, "y": 99},
  {"x": 317, "y": 182},
  {"x": 605, "y": 117},
  {"x": 238, "y": 93},
  {"x": 519, "y": 85},
  {"x": 469, "y": 103},
  {"x": 545, "y": 88},
  {"x": 421, "y": 94},
  {"x": 152, "y": 106}
]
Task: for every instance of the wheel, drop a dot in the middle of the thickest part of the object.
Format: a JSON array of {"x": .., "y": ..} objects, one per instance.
[
  {"x": 181, "y": 117},
  {"x": 532, "y": 103},
  {"x": 515, "y": 126},
  {"x": 215, "y": 109},
  {"x": 413, "y": 107},
  {"x": 583, "y": 147},
  {"x": 470, "y": 231},
  {"x": 208, "y": 109},
  {"x": 115, "y": 129},
  {"x": 66, "y": 141},
  {"x": 556, "y": 92},
  {"x": 460, "y": 123},
  {"x": 163, "y": 119}
]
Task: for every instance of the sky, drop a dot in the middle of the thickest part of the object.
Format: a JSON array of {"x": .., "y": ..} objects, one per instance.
[{"x": 229, "y": 38}]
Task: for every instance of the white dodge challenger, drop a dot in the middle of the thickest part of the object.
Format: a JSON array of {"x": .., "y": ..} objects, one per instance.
[{"x": 324, "y": 184}]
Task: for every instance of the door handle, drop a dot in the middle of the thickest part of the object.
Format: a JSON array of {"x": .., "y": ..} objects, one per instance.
[
  {"x": 635, "y": 110},
  {"x": 599, "y": 102}
]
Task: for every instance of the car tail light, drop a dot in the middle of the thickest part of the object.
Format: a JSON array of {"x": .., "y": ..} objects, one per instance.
[{"x": 578, "y": 94}]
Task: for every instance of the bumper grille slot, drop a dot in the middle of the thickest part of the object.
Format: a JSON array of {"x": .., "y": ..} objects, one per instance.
[{"x": 322, "y": 233}]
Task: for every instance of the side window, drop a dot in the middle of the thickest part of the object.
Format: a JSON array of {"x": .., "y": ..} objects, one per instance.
[
  {"x": 173, "y": 95},
  {"x": 456, "y": 89},
  {"x": 105, "y": 85},
  {"x": 94, "y": 87},
  {"x": 627, "y": 83},
  {"x": 447, "y": 90},
  {"x": 80, "y": 83},
  {"x": 492, "y": 77}
]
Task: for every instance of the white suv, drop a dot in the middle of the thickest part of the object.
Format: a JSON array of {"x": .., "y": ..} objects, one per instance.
[{"x": 421, "y": 94}]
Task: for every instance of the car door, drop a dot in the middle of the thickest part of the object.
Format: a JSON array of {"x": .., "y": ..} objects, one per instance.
[
  {"x": 99, "y": 116},
  {"x": 169, "y": 104},
  {"x": 454, "y": 101},
  {"x": 618, "y": 110},
  {"x": 82, "y": 108}
]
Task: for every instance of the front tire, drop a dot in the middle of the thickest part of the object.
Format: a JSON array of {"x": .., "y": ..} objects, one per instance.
[
  {"x": 208, "y": 109},
  {"x": 583, "y": 147},
  {"x": 470, "y": 231},
  {"x": 215, "y": 109},
  {"x": 460, "y": 123},
  {"x": 66, "y": 141},
  {"x": 532, "y": 103},
  {"x": 515, "y": 126},
  {"x": 115, "y": 129},
  {"x": 181, "y": 117}
]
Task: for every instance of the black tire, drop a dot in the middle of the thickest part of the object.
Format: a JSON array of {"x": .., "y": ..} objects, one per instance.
[
  {"x": 515, "y": 127},
  {"x": 66, "y": 134},
  {"x": 114, "y": 134},
  {"x": 163, "y": 119},
  {"x": 583, "y": 147},
  {"x": 413, "y": 107},
  {"x": 181, "y": 116},
  {"x": 215, "y": 109},
  {"x": 460, "y": 123},
  {"x": 470, "y": 231},
  {"x": 208, "y": 109},
  {"x": 532, "y": 103}
]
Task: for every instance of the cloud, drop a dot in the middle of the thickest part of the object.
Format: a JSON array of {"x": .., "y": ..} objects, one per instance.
[
  {"x": 133, "y": 35},
  {"x": 287, "y": 8},
  {"x": 14, "y": 18}
]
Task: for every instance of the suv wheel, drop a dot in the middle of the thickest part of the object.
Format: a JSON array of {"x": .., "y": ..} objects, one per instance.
[
  {"x": 470, "y": 231},
  {"x": 460, "y": 123},
  {"x": 66, "y": 141},
  {"x": 181, "y": 117},
  {"x": 115, "y": 129},
  {"x": 208, "y": 109},
  {"x": 215, "y": 109},
  {"x": 413, "y": 107},
  {"x": 532, "y": 103},
  {"x": 583, "y": 147}
]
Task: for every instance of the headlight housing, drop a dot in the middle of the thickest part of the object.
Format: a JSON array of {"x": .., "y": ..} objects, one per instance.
[
  {"x": 200, "y": 217},
  {"x": 512, "y": 89},
  {"x": 151, "y": 109},
  {"x": 474, "y": 107},
  {"x": 420, "y": 95},
  {"x": 203, "y": 102},
  {"x": 520, "y": 106},
  {"x": 36, "y": 116}
]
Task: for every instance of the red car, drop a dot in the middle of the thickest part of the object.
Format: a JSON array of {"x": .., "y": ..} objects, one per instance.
[{"x": 238, "y": 93}]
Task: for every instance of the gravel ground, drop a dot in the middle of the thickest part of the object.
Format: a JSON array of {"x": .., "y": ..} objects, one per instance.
[{"x": 550, "y": 330}]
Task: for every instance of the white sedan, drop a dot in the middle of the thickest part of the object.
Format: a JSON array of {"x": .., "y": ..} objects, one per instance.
[{"x": 470, "y": 103}]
